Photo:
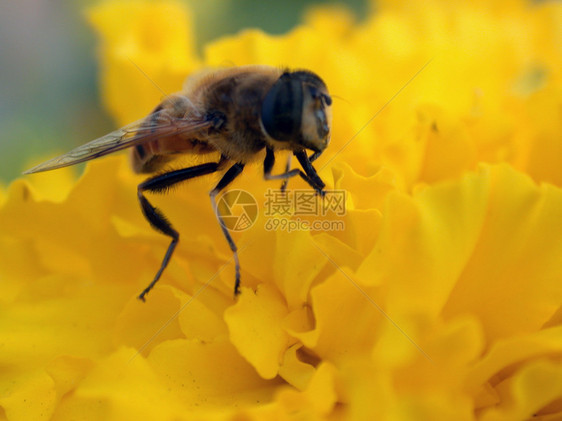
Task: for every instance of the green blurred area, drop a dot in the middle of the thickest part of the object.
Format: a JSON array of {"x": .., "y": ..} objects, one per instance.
[{"x": 49, "y": 98}]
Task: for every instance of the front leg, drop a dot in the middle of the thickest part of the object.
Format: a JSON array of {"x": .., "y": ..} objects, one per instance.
[{"x": 311, "y": 177}]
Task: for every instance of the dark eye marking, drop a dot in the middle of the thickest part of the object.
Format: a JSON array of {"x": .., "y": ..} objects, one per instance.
[{"x": 281, "y": 112}]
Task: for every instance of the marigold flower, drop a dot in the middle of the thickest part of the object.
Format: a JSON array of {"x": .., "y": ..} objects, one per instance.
[{"x": 441, "y": 298}]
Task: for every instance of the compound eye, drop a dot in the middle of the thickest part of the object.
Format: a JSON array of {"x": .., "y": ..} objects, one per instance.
[{"x": 281, "y": 112}]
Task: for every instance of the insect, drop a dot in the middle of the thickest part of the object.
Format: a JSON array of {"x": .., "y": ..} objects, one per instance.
[{"x": 237, "y": 112}]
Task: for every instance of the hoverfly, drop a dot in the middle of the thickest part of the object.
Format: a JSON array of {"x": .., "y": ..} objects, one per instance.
[{"x": 236, "y": 111}]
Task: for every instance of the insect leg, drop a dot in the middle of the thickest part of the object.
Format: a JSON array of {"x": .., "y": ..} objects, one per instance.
[
  {"x": 311, "y": 158},
  {"x": 287, "y": 168},
  {"x": 314, "y": 181},
  {"x": 315, "y": 156},
  {"x": 268, "y": 167},
  {"x": 156, "y": 218},
  {"x": 312, "y": 177},
  {"x": 227, "y": 178}
]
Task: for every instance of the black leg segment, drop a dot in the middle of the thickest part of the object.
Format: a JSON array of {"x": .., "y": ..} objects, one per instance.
[
  {"x": 287, "y": 169},
  {"x": 315, "y": 156},
  {"x": 159, "y": 184},
  {"x": 227, "y": 178},
  {"x": 310, "y": 175},
  {"x": 268, "y": 167}
]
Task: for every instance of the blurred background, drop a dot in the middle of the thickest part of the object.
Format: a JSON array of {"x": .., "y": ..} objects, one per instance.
[{"x": 49, "y": 99}]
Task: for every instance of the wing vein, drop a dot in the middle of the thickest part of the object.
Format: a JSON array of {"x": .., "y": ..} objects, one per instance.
[{"x": 156, "y": 126}]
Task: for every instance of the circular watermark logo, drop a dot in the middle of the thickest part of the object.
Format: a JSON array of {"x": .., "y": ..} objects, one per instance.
[{"x": 238, "y": 210}]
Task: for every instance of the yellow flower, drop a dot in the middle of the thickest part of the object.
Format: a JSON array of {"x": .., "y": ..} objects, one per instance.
[
  {"x": 440, "y": 298},
  {"x": 146, "y": 52}
]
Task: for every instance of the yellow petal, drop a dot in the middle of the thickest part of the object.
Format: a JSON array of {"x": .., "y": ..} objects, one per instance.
[
  {"x": 448, "y": 149},
  {"x": 144, "y": 56},
  {"x": 535, "y": 391},
  {"x": 297, "y": 264},
  {"x": 543, "y": 144},
  {"x": 67, "y": 372},
  {"x": 28, "y": 396},
  {"x": 295, "y": 371},
  {"x": 121, "y": 387},
  {"x": 508, "y": 354},
  {"x": 363, "y": 192},
  {"x": 209, "y": 375},
  {"x": 432, "y": 234},
  {"x": 261, "y": 340},
  {"x": 346, "y": 315},
  {"x": 439, "y": 362},
  {"x": 318, "y": 399},
  {"x": 145, "y": 325},
  {"x": 510, "y": 281}
]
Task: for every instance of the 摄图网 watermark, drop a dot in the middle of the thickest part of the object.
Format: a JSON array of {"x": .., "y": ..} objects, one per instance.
[{"x": 293, "y": 210}]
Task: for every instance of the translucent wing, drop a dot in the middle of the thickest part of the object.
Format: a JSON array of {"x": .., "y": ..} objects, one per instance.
[{"x": 157, "y": 125}]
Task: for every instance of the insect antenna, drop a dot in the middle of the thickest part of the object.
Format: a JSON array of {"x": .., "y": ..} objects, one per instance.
[{"x": 340, "y": 98}]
